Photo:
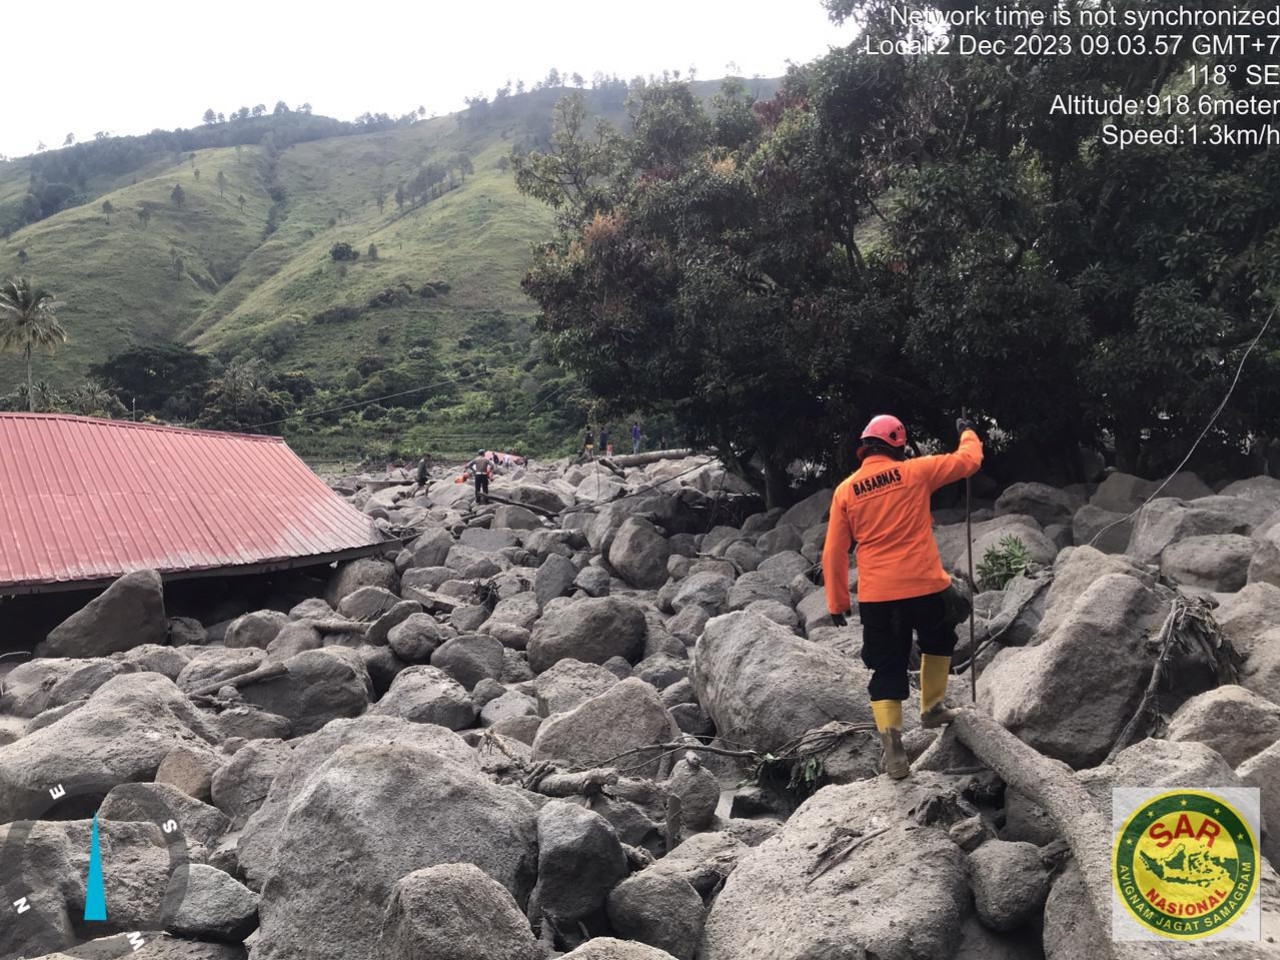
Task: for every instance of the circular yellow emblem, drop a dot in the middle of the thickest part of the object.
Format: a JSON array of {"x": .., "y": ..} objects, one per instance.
[{"x": 1185, "y": 864}]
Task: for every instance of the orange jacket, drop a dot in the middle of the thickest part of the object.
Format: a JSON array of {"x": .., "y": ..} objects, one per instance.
[{"x": 884, "y": 509}]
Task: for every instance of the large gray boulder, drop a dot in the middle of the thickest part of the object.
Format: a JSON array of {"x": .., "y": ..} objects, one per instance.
[
  {"x": 157, "y": 946},
  {"x": 809, "y": 511},
  {"x": 755, "y": 586},
  {"x": 568, "y": 684},
  {"x": 214, "y": 906},
  {"x": 580, "y": 859},
  {"x": 1070, "y": 695},
  {"x": 661, "y": 910},
  {"x": 139, "y": 802},
  {"x": 780, "y": 903},
  {"x": 51, "y": 866},
  {"x": 699, "y": 792},
  {"x": 26, "y": 689},
  {"x": 454, "y": 911},
  {"x": 1010, "y": 883},
  {"x": 1261, "y": 672},
  {"x": 590, "y": 630},
  {"x": 240, "y": 785},
  {"x": 470, "y": 658},
  {"x": 1074, "y": 573},
  {"x": 781, "y": 539},
  {"x": 127, "y": 614},
  {"x": 534, "y": 495},
  {"x": 431, "y": 548},
  {"x": 764, "y": 686},
  {"x": 317, "y": 686},
  {"x": 80, "y": 683},
  {"x": 257, "y": 846},
  {"x": 354, "y": 574},
  {"x": 489, "y": 541},
  {"x": 782, "y": 568},
  {"x": 1106, "y": 530},
  {"x": 1235, "y": 722},
  {"x": 628, "y": 716},
  {"x": 705, "y": 589},
  {"x": 639, "y": 553},
  {"x": 1121, "y": 492},
  {"x": 426, "y": 694},
  {"x": 416, "y": 639},
  {"x": 554, "y": 579},
  {"x": 1249, "y": 613},
  {"x": 507, "y": 517},
  {"x": 1047, "y": 505},
  {"x": 1262, "y": 770},
  {"x": 121, "y": 734},
  {"x": 367, "y": 603},
  {"x": 1264, "y": 565},
  {"x": 1215, "y": 561},
  {"x": 608, "y": 948},
  {"x": 216, "y": 664},
  {"x": 1266, "y": 489},
  {"x": 1164, "y": 521},
  {"x": 255, "y": 629},
  {"x": 360, "y": 817}
]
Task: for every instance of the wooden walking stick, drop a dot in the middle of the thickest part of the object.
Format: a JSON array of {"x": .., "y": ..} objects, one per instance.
[{"x": 973, "y": 586}]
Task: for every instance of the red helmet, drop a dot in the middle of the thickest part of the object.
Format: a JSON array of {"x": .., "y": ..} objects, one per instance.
[{"x": 884, "y": 430}]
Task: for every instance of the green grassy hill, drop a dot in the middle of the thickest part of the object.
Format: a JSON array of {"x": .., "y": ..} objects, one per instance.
[{"x": 243, "y": 268}]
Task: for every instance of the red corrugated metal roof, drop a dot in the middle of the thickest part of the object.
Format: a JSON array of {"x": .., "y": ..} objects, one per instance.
[{"x": 85, "y": 500}]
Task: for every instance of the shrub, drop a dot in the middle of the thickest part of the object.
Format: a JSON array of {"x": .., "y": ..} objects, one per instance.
[
  {"x": 1003, "y": 562},
  {"x": 336, "y": 315},
  {"x": 370, "y": 363},
  {"x": 343, "y": 251}
]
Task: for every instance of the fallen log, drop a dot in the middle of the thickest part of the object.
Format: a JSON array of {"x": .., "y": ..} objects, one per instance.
[
  {"x": 337, "y": 625},
  {"x": 653, "y": 456},
  {"x": 432, "y": 600},
  {"x": 1068, "y": 804},
  {"x": 258, "y": 675},
  {"x": 584, "y": 784}
]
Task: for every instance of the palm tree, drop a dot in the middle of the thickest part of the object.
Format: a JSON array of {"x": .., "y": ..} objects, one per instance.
[
  {"x": 27, "y": 321},
  {"x": 93, "y": 399}
]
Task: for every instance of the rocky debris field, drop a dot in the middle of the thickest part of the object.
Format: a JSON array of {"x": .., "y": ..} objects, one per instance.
[{"x": 610, "y": 719}]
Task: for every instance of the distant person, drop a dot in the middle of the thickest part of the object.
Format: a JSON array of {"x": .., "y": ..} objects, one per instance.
[
  {"x": 424, "y": 472},
  {"x": 604, "y": 441},
  {"x": 635, "y": 438},
  {"x": 483, "y": 469},
  {"x": 589, "y": 446}
]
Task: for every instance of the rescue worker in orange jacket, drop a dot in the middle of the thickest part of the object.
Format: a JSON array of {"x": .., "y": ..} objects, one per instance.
[{"x": 883, "y": 508}]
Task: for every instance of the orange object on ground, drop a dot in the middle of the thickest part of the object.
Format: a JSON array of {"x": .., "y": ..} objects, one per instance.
[{"x": 884, "y": 508}]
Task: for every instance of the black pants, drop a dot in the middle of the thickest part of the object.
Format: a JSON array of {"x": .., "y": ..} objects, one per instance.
[
  {"x": 482, "y": 488},
  {"x": 886, "y": 640}
]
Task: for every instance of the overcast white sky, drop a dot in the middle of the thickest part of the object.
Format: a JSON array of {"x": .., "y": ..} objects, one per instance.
[{"x": 135, "y": 65}]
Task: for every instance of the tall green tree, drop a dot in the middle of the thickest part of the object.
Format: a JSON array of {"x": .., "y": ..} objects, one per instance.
[
  {"x": 29, "y": 321},
  {"x": 914, "y": 233}
]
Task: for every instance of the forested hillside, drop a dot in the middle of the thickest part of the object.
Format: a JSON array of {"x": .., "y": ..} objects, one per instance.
[{"x": 316, "y": 264}]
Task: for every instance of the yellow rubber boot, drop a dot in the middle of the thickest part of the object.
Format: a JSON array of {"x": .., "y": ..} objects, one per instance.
[
  {"x": 888, "y": 716},
  {"x": 934, "y": 671}
]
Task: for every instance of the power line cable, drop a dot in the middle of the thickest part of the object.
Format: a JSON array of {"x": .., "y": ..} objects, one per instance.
[
  {"x": 362, "y": 403},
  {"x": 1203, "y": 433}
]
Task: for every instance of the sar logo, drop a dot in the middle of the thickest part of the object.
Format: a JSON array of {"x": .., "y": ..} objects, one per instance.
[{"x": 1185, "y": 864}]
